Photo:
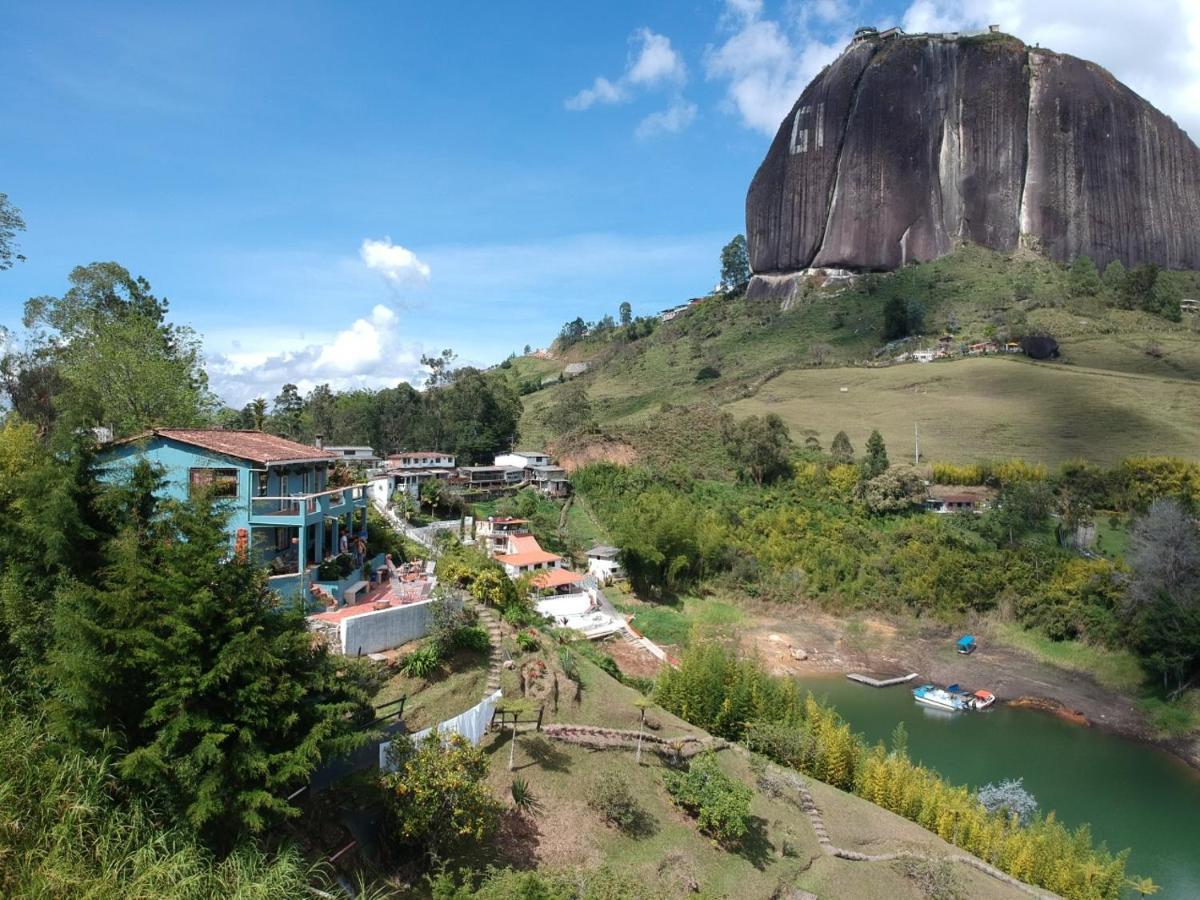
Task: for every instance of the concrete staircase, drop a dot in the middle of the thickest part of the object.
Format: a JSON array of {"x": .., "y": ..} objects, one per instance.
[{"x": 491, "y": 621}]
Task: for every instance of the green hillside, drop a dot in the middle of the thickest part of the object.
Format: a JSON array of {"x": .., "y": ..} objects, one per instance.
[{"x": 1127, "y": 382}]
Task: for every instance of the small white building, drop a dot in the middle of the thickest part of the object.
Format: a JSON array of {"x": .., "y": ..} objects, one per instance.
[
  {"x": 523, "y": 459},
  {"x": 524, "y": 554},
  {"x": 604, "y": 564},
  {"x": 421, "y": 459}
]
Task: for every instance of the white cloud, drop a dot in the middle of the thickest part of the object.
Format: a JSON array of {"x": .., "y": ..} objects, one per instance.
[
  {"x": 672, "y": 120},
  {"x": 601, "y": 91},
  {"x": 397, "y": 264},
  {"x": 656, "y": 62},
  {"x": 653, "y": 64},
  {"x": 1152, "y": 45},
  {"x": 768, "y": 63},
  {"x": 369, "y": 353}
]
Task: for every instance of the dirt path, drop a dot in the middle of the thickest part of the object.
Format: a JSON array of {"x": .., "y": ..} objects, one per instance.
[{"x": 874, "y": 645}]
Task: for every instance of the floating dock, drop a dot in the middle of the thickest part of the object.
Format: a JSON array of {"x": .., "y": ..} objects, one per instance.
[{"x": 881, "y": 681}]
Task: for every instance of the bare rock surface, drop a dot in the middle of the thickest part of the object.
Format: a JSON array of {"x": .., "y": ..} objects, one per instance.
[{"x": 907, "y": 145}]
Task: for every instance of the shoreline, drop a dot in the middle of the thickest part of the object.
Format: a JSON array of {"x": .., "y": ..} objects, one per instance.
[{"x": 1016, "y": 677}]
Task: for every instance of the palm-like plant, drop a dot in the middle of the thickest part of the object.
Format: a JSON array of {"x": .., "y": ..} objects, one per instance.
[
  {"x": 522, "y": 797},
  {"x": 1144, "y": 886}
]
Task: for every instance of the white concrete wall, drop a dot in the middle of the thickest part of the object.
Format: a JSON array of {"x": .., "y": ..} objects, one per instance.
[{"x": 385, "y": 629}]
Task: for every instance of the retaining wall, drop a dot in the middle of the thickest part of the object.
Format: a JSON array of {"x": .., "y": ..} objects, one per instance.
[{"x": 378, "y": 630}]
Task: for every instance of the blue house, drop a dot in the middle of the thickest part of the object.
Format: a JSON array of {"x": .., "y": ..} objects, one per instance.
[{"x": 281, "y": 508}]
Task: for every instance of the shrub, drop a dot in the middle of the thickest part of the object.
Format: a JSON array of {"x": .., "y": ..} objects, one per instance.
[
  {"x": 473, "y": 638},
  {"x": 422, "y": 662},
  {"x": 611, "y": 797},
  {"x": 522, "y": 796},
  {"x": 438, "y": 796},
  {"x": 569, "y": 665},
  {"x": 936, "y": 879},
  {"x": 527, "y": 642},
  {"x": 1010, "y": 798},
  {"x": 720, "y": 804}
]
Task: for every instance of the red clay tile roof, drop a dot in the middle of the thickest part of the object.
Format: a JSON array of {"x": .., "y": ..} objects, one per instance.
[
  {"x": 527, "y": 558},
  {"x": 552, "y": 578},
  {"x": 254, "y": 446}
]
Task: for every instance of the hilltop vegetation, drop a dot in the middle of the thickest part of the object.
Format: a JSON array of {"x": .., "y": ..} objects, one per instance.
[{"x": 1128, "y": 381}]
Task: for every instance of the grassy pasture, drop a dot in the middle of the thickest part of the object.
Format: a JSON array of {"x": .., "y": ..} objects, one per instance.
[{"x": 990, "y": 408}]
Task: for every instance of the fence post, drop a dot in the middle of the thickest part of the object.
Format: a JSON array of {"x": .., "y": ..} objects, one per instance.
[{"x": 541, "y": 710}]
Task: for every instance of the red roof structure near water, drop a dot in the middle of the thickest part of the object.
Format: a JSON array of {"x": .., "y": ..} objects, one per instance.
[{"x": 254, "y": 446}]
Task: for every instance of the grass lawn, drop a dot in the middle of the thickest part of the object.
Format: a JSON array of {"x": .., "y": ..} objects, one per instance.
[
  {"x": 1112, "y": 540},
  {"x": 457, "y": 687},
  {"x": 1116, "y": 670},
  {"x": 990, "y": 408},
  {"x": 584, "y": 529},
  {"x": 670, "y": 854},
  {"x": 673, "y": 625}
]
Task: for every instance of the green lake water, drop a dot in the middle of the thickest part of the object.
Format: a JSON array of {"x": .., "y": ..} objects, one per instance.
[{"x": 1132, "y": 795}]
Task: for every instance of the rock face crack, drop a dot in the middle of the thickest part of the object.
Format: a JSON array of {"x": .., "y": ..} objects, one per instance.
[{"x": 903, "y": 146}]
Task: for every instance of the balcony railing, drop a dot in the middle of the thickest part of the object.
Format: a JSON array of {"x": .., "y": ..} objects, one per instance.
[{"x": 304, "y": 506}]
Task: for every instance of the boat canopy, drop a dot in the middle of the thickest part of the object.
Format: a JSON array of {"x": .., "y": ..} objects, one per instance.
[{"x": 967, "y": 640}]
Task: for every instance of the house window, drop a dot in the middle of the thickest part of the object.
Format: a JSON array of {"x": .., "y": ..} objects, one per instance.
[
  {"x": 261, "y": 484},
  {"x": 283, "y": 539},
  {"x": 221, "y": 482}
]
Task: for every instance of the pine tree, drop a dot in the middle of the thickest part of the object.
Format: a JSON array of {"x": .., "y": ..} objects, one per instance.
[
  {"x": 841, "y": 449},
  {"x": 876, "y": 461},
  {"x": 213, "y": 697}
]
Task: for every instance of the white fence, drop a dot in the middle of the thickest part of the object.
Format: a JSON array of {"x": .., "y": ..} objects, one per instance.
[{"x": 472, "y": 725}]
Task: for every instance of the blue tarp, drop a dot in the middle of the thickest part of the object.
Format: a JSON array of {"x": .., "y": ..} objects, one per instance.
[{"x": 967, "y": 640}]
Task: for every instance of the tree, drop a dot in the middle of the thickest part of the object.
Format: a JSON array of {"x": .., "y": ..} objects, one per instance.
[
  {"x": 1084, "y": 280},
  {"x": 876, "y": 460},
  {"x": 1009, "y": 797},
  {"x": 914, "y": 314},
  {"x": 1164, "y": 592},
  {"x": 841, "y": 449},
  {"x": 572, "y": 333},
  {"x": 438, "y": 796},
  {"x": 258, "y": 413},
  {"x": 441, "y": 368},
  {"x": 433, "y": 493},
  {"x": 758, "y": 446},
  {"x": 121, "y": 363},
  {"x": 1145, "y": 887},
  {"x": 571, "y": 410},
  {"x": 894, "y": 490},
  {"x": 287, "y": 412},
  {"x": 895, "y": 319},
  {"x": 1114, "y": 275},
  {"x": 626, "y": 314},
  {"x": 10, "y": 223},
  {"x": 819, "y": 353},
  {"x": 1138, "y": 287},
  {"x": 1165, "y": 298},
  {"x": 735, "y": 266},
  {"x": 181, "y": 661},
  {"x": 320, "y": 414},
  {"x": 1021, "y": 507}
]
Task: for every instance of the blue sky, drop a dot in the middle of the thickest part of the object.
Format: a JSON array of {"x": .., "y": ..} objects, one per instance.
[{"x": 326, "y": 190}]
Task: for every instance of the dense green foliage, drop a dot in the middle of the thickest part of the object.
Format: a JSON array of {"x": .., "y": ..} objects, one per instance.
[
  {"x": 180, "y": 660},
  {"x": 738, "y": 700},
  {"x": 603, "y": 883},
  {"x": 735, "y": 265},
  {"x": 847, "y": 543},
  {"x": 438, "y": 796},
  {"x": 67, "y": 831},
  {"x": 463, "y": 411},
  {"x": 720, "y": 804},
  {"x": 104, "y": 354}
]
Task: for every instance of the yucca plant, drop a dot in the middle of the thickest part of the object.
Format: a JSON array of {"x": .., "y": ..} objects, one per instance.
[{"x": 522, "y": 796}]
